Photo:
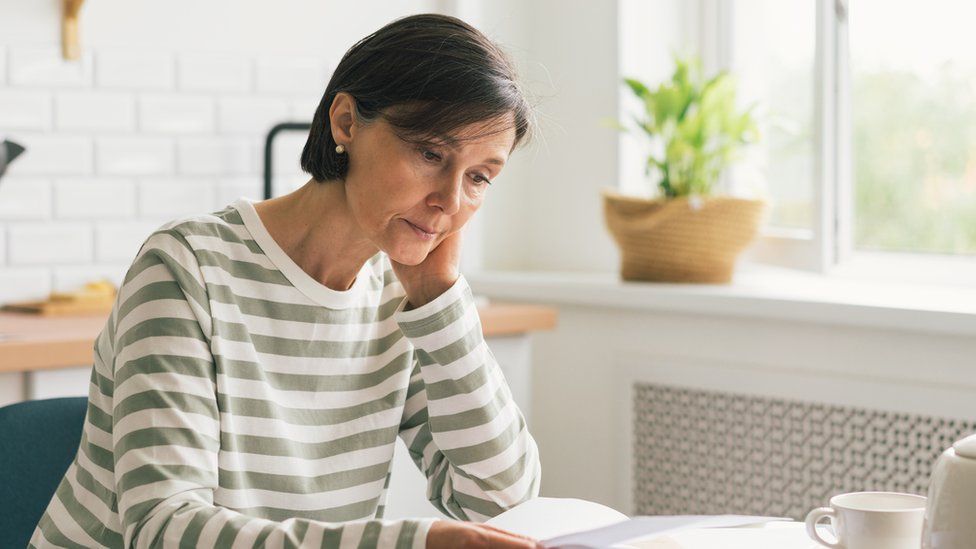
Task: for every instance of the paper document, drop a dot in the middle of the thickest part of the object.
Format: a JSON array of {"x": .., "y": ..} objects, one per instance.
[
  {"x": 545, "y": 518},
  {"x": 577, "y": 524},
  {"x": 643, "y": 528}
]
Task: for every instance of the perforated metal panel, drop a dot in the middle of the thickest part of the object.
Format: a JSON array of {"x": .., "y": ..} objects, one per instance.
[{"x": 706, "y": 452}]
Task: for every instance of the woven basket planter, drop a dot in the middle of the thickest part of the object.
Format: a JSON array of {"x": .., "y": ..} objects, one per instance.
[{"x": 680, "y": 240}]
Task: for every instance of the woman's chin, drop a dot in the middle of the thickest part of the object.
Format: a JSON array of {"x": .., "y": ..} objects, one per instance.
[{"x": 409, "y": 255}]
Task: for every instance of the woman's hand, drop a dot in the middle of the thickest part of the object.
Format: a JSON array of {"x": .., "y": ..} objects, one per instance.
[
  {"x": 432, "y": 276},
  {"x": 452, "y": 534}
]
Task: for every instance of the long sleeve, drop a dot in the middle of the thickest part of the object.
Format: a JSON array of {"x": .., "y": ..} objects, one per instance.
[
  {"x": 167, "y": 423},
  {"x": 460, "y": 422}
]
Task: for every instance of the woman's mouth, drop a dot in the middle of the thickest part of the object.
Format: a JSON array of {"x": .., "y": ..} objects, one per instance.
[{"x": 424, "y": 235}]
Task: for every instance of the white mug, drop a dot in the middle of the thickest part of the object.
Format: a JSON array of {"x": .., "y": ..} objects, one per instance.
[{"x": 871, "y": 520}]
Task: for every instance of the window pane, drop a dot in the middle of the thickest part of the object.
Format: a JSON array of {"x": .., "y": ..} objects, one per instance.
[
  {"x": 773, "y": 45},
  {"x": 913, "y": 72}
]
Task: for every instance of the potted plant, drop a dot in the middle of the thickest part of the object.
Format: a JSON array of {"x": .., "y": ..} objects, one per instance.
[{"x": 687, "y": 234}]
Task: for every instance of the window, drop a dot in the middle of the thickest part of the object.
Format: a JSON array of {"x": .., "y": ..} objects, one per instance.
[
  {"x": 869, "y": 119},
  {"x": 913, "y": 106},
  {"x": 779, "y": 81}
]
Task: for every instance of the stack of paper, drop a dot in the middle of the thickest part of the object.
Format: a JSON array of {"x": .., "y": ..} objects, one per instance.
[{"x": 577, "y": 524}]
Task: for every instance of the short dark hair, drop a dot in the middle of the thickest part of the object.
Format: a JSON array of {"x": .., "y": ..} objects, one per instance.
[{"x": 427, "y": 76}]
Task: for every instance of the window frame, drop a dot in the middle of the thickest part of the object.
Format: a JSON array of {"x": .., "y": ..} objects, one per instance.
[
  {"x": 707, "y": 27},
  {"x": 828, "y": 247},
  {"x": 828, "y": 241}
]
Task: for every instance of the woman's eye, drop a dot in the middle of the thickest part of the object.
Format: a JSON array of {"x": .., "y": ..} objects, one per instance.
[
  {"x": 431, "y": 156},
  {"x": 480, "y": 179}
]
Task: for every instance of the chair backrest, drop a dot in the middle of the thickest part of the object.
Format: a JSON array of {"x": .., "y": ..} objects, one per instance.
[{"x": 38, "y": 441}]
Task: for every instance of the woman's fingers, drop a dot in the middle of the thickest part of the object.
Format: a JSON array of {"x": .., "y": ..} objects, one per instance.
[
  {"x": 506, "y": 532},
  {"x": 503, "y": 539},
  {"x": 447, "y": 534}
]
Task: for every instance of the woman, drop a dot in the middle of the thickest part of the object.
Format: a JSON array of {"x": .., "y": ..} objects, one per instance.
[{"x": 261, "y": 361}]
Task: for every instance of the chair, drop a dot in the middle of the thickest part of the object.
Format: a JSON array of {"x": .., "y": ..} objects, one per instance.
[{"x": 38, "y": 441}]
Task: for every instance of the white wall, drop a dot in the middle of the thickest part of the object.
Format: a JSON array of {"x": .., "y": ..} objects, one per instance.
[
  {"x": 164, "y": 115},
  {"x": 584, "y": 369},
  {"x": 545, "y": 212},
  {"x": 166, "y": 112}
]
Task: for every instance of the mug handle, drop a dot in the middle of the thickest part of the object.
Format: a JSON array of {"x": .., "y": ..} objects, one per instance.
[{"x": 814, "y": 517}]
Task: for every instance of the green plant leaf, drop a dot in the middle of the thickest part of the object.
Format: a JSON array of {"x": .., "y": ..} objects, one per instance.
[
  {"x": 614, "y": 124},
  {"x": 636, "y": 86},
  {"x": 697, "y": 122}
]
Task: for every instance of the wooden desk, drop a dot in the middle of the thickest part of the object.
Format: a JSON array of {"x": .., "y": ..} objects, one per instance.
[{"x": 31, "y": 343}]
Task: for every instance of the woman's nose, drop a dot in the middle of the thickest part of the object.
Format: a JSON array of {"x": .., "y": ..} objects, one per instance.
[{"x": 448, "y": 196}]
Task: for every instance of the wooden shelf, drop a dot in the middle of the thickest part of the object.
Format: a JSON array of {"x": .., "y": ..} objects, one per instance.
[{"x": 505, "y": 319}]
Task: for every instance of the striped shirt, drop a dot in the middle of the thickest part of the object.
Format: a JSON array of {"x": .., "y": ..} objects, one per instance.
[{"x": 237, "y": 402}]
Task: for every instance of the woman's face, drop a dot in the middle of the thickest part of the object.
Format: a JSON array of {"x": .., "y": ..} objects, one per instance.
[{"x": 409, "y": 197}]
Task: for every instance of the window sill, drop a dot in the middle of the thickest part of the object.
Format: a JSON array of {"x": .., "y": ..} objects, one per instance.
[{"x": 757, "y": 291}]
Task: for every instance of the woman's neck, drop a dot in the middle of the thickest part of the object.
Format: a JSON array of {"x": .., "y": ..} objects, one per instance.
[{"x": 316, "y": 229}]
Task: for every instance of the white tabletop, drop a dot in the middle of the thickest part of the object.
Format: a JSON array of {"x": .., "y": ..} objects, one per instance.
[{"x": 775, "y": 535}]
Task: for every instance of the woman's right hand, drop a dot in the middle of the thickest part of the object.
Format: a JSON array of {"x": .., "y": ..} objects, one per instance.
[{"x": 452, "y": 534}]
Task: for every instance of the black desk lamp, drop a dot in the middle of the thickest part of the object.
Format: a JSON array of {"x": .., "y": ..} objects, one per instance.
[
  {"x": 8, "y": 151},
  {"x": 269, "y": 149}
]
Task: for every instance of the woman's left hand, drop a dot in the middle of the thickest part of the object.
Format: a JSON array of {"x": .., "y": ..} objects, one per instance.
[{"x": 434, "y": 275}]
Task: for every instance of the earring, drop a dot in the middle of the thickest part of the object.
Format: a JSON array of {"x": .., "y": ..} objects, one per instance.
[{"x": 340, "y": 149}]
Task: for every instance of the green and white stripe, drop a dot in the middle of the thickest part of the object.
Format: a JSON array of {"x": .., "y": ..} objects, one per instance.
[{"x": 236, "y": 402}]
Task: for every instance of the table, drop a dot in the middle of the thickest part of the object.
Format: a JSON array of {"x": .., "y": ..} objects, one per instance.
[
  {"x": 775, "y": 535},
  {"x": 30, "y": 342}
]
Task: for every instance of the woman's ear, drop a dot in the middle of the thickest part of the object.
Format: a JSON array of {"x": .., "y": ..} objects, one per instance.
[{"x": 342, "y": 118}]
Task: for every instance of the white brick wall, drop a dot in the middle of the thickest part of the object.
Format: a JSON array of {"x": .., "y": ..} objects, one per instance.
[
  {"x": 49, "y": 243},
  {"x": 25, "y": 110},
  {"x": 229, "y": 189},
  {"x": 19, "y": 283},
  {"x": 288, "y": 153},
  {"x": 52, "y": 154},
  {"x": 219, "y": 155},
  {"x": 251, "y": 115},
  {"x": 135, "y": 69},
  {"x": 44, "y": 66},
  {"x": 134, "y": 155},
  {"x": 215, "y": 73},
  {"x": 161, "y": 198},
  {"x": 122, "y": 141},
  {"x": 176, "y": 114},
  {"x": 25, "y": 198},
  {"x": 94, "y": 111},
  {"x": 94, "y": 198},
  {"x": 290, "y": 74},
  {"x": 304, "y": 109},
  {"x": 72, "y": 278},
  {"x": 120, "y": 241}
]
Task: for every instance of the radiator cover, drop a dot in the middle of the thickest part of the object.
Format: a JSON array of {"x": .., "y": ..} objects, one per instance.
[{"x": 710, "y": 452}]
